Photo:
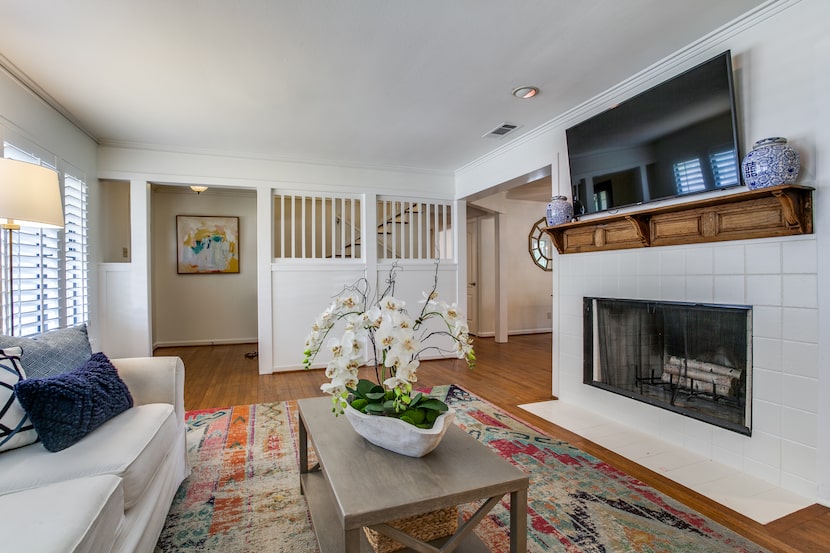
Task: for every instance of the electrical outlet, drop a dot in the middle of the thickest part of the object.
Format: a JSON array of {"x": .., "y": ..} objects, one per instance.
[
  {"x": 125, "y": 253},
  {"x": 549, "y": 315}
]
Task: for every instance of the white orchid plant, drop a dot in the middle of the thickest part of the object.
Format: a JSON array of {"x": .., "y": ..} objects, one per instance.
[{"x": 383, "y": 334}]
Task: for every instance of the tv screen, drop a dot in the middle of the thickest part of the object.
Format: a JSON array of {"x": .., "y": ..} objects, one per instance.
[{"x": 675, "y": 139}]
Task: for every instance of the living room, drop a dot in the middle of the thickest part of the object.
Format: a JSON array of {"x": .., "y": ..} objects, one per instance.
[{"x": 780, "y": 56}]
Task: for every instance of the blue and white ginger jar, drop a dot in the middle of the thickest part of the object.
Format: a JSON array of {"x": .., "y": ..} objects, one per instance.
[
  {"x": 770, "y": 163},
  {"x": 559, "y": 211}
]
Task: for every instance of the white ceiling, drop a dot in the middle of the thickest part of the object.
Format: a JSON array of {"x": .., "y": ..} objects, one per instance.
[{"x": 385, "y": 83}]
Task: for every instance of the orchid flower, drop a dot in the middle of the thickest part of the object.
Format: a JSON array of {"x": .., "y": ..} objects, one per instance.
[{"x": 385, "y": 333}]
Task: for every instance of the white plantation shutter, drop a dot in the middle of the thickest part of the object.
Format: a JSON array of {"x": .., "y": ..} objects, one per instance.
[
  {"x": 75, "y": 289},
  {"x": 725, "y": 167},
  {"x": 688, "y": 176},
  {"x": 49, "y": 267},
  {"x": 36, "y": 284}
]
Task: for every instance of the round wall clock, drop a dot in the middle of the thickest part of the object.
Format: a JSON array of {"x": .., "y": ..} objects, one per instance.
[{"x": 540, "y": 246}]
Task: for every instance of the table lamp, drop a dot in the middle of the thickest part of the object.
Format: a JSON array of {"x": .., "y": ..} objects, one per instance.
[{"x": 30, "y": 196}]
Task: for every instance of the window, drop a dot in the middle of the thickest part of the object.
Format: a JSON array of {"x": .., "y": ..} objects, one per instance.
[
  {"x": 688, "y": 176},
  {"x": 724, "y": 165},
  {"x": 49, "y": 277}
]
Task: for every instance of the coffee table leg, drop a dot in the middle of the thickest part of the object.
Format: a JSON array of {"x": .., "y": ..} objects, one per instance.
[
  {"x": 518, "y": 521},
  {"x": 353, "y": 541},
  {"x": 303, "y": 438}
]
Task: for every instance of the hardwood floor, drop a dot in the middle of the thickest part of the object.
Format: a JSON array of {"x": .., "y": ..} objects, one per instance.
[{"x": 507, "y": 375}]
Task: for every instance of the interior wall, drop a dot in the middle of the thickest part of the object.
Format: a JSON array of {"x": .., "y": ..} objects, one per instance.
[
  {"x": 529, "y": 288},
  {"x": 265, "y": 176},
  {"x": 114, "y": 215},
  {"x": 197, "y": 309},
  {"x": 777, "y": 54}
]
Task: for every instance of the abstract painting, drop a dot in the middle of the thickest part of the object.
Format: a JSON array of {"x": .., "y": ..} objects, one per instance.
[{"x": 207, "y": 244}]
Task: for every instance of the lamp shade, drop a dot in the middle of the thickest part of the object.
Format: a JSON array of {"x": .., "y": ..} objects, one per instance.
[{"x": 30, "y": 195}]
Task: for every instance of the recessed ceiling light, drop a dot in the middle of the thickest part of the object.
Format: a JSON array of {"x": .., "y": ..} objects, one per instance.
[{"x": 525, "y": 92}]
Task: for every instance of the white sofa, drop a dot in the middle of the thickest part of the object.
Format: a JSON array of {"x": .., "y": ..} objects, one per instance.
[{"x": 111, "y": 491}]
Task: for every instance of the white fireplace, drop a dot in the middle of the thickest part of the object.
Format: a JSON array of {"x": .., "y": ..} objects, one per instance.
[{"x": 776, "y": 279}]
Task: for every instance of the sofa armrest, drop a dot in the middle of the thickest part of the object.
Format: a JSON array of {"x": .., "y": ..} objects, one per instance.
[{"x": 154, "y": 380}]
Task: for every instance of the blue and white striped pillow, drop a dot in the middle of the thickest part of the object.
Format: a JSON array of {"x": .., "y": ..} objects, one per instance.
[{"x": 16, "y": 429}]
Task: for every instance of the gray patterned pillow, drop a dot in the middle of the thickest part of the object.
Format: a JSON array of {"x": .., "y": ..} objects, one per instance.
[{"x": 52, "y": 353}]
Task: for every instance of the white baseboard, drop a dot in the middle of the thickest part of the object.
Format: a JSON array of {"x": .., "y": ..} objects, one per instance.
[
  {"x": 517, "y": 332},
  {"x": 221, "y": 342}
]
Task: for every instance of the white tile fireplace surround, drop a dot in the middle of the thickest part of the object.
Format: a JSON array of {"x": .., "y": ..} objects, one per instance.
[{"x": 777, "y": 277}]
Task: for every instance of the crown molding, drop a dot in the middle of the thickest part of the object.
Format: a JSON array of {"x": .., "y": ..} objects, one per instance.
[
  {"x": 161, "y": 148},
  {"x": 38, "y": 92}
]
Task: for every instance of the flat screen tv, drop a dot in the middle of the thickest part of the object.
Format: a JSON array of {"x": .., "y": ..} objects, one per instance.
[{"x": 675, "y": 139}]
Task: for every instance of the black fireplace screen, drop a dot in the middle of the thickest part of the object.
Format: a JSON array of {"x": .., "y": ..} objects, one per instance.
[{"x": 694, "y": 359}]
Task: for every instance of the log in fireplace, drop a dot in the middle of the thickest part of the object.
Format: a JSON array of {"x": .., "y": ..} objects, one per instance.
[{"x": 693, "y": 359}]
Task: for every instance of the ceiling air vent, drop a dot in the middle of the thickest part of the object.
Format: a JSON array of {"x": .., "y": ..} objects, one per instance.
[{"x": 501, "y": 130}]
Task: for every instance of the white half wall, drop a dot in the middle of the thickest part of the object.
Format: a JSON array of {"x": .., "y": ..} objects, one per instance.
[{"x": 303, "y": 290}]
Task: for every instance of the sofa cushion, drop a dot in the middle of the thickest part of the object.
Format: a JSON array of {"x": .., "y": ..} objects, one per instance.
[
  {"x": 66, "y": 407},
  {"x": 53, "y": 352},
  {"x": 16, "y": 428},
  {"x": 132, "y": 445},
  {"x": 76, "y": 516}
]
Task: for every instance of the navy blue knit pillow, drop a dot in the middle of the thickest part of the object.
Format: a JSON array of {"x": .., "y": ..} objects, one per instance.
[{"x": 67, "y": 407}]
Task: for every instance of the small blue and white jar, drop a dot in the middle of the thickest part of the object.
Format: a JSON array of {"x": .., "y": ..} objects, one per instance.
[
  {"x": 770, "y": 163},
  {"x": 559, "y": 211}
]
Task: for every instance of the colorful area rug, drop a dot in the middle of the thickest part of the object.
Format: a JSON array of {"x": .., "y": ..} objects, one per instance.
[{"x": 243, "y": 495}]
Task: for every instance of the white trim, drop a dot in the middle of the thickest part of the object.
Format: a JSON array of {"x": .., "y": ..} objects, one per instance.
[
  {"x": 489, "y": 334},
  {"x": 221, "y": 342}
]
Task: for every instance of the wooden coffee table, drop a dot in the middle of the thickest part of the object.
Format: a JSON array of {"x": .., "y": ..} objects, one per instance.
[{"x": 357, "y": 484}]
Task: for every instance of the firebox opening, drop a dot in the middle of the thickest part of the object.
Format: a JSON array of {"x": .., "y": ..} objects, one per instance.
[{"x": 693, "y": 359}]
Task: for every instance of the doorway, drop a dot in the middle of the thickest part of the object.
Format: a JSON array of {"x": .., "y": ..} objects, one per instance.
[
  {"x": 472, "y": 275},
  {"x": 202, "y": 309}
]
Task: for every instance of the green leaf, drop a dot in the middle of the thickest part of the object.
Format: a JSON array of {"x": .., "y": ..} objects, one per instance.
[
  {"x": 360, "y": 403},
  {"x": 415, "y": 415},
  {"x": 365, "y": 387},
  {"x": 374, "y": 409},
  {"x": 434, "y": 404}
]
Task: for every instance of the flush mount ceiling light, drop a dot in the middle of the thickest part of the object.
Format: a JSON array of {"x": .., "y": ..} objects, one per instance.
[
  {"x": 198, "y": 189},
  {"x": 525, "y": 92}
]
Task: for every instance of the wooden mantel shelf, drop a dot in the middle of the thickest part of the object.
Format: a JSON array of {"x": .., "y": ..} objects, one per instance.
[{"x": 784, "y": 210}]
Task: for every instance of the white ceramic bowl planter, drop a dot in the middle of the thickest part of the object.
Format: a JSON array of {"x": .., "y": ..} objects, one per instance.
[{"x": 399, "y": 436}]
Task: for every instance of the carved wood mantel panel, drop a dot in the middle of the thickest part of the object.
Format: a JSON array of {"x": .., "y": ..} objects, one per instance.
[{"x": 776, "y": 211}]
